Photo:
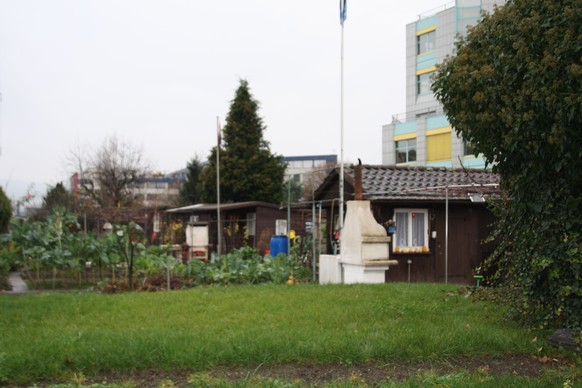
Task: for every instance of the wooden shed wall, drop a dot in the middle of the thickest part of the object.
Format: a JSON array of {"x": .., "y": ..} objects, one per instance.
[
  {"x": 264, "y": 225},
  {"x": 468, "y": 227}
]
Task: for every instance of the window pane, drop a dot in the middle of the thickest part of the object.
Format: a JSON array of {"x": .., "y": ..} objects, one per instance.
[
  {"x": 412, "y": 150},
  {"x": 251, "y": 223},
  {"x": 423, "y": 82},
  {"x": 417, "y": 229},
  {"x": 401, "y": 151},
  {"x": 401, "y": 229},
  {"x": 469, "y": 149},
  {"x": 412, "y": 155},
  {"x": 425, "y": 43},
  {"x": 406, "y": 151}
]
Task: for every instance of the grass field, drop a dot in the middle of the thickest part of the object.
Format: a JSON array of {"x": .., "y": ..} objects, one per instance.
[{"x": 58, "y": 335}]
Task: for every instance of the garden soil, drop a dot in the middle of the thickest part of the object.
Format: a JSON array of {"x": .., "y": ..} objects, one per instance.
[{"x": 316, "y": 375}]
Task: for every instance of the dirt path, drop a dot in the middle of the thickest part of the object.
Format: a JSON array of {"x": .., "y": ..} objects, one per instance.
[
  {"x": 309, "y": 374},
  {"x": 18, "y": 285}
]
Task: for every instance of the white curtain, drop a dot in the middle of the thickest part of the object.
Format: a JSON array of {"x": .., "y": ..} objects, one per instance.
[
  {"x": 401, "y": 229},
  {"x": 417, "y": 229}
]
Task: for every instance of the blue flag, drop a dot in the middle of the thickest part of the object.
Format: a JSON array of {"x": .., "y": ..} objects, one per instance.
[{"x": 343, "y": 14}]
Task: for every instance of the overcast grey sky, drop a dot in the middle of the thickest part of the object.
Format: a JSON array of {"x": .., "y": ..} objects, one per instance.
[{"x": 157, "y": 73}]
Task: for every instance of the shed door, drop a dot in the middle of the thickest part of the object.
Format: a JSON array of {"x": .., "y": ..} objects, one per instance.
[{"x": 462, "y": 248}]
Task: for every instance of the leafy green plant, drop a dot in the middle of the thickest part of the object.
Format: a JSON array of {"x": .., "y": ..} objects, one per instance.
[
  {"x": 56, "y": 249},
  {"x": 129, "y": 243}
]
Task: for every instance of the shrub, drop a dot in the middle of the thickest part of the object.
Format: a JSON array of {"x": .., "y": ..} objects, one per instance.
[{"x": 5, "y": 211}]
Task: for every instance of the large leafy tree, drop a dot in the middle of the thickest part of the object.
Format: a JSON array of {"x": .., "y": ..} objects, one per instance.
[
  {"x": 248, "y": 169},
  {"x": 514, "y": 90},
  {"x": 190, "y": 190}
]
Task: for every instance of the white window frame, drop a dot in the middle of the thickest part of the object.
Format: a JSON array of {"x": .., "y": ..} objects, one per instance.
[
  {"x": 251, "y": 224},
  {"x": 424, "y": 83},
  {"x": 406, "y": 147},
  {"x": 409, "y": 247},
  {"x": 426, "y": 43}
]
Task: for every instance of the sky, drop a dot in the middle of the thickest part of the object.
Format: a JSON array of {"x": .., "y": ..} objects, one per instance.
[{"x": 156, "y": 74}]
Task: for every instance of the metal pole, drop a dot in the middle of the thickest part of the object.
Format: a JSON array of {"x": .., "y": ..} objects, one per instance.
[
  {"x": 169, "y": 285},
  {"x": 341, "y": 180},
  {"x": 313, "y": 235},
  {"x": 447, "y": 231},
  {"x": 218, "y": 225},
  {"x": 319, "y": 222},
  {"x": 289, "y": 215}
]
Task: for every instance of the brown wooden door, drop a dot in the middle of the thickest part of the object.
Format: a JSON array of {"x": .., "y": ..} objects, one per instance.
[{"x": 463, "y": 245}]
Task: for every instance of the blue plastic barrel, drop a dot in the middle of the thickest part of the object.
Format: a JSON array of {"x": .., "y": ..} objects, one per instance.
[{"x": 278, "y": 245}]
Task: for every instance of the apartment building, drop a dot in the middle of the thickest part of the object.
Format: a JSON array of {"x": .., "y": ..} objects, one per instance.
[
  {"x": 301, "y": 167},
  {"x": 422, "y": 136},
  {"x": 151, "y": 190}
]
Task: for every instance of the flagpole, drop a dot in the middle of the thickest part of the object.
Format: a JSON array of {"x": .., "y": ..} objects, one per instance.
[
  {"x": 341, "y": 180},
  {"x": 218, "y": 225}
]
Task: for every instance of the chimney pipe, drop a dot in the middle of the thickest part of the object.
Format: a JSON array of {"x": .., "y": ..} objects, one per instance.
[{"x": 358, "y": 182}]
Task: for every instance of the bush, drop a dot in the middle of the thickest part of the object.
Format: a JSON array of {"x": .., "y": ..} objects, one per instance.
[
  {"x": 5, "y": 211},
  {"x": 245, "y": 266}
]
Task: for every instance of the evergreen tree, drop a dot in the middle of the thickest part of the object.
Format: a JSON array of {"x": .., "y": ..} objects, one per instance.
[
  {"x": 5, "y": 211},
  {"x": 293, "y": 189},
  {"x": 57, "y": 196},
  {"x": 248, "y": 169},
  {"x": 190, "y": 190}
]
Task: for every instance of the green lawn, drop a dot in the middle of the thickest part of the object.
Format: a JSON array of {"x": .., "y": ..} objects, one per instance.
[{"x": 45, "y": 336}]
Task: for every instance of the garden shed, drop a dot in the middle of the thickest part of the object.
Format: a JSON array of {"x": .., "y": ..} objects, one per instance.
[
  {"x": 243, "y": 224},
  {"x": 420, "y": 207}
]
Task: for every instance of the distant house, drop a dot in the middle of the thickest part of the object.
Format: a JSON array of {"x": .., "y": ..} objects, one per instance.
[
  {"x": 151, "y": 194},
  {"x": 243, "y": 224},
  {"x": 159, "y": 190},
  {"x": 302, "y": 167},
  {"x": 412, "y": 203}
]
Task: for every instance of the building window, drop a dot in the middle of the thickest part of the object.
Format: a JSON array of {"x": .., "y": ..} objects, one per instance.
[
  {"x": 423, "y": 82},
  {"x": 251, "y": 223},
  {"x": 468, "y": 148},
  {"x": 411, "y": 230},
  {"x": 425, "y": 43},
  {"x": 438, "y": 147},
  {"x": 406, "y": 151}
]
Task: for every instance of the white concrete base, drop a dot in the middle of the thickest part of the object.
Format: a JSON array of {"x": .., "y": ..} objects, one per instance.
[
  {"x": 330, "y": 271},
  {"x": 365, "y": 273}
]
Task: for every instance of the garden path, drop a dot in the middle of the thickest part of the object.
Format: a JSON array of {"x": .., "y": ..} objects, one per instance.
[{"x": 18, "y": 285}]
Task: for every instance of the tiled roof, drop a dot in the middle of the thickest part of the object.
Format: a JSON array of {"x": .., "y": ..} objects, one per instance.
[
  {"x": 204, "y": 207},
  {"x": 423, "y": 183}
]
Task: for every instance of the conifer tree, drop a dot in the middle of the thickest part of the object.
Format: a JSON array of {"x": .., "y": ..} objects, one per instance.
[
  {"x": 57, "y": 196},
  {"x": 248, "y": 169},
  {"x": 5, "y": 211},
  {"x": 190, "y": 190}
]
